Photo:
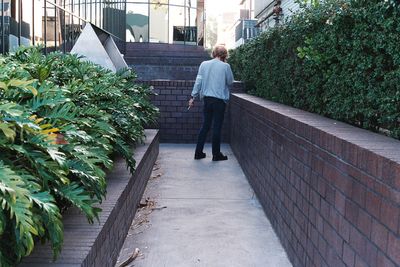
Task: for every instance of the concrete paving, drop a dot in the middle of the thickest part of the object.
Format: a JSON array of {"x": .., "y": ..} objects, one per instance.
[{"x": 206, "y": 214}]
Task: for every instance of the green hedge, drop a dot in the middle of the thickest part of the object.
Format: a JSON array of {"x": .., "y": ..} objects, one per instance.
[
  {"x": 61, "y": 121},
  {"x": 340, "y": 59}
]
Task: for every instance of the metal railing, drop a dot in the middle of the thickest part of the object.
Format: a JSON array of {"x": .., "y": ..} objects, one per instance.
[{"x": 61, "y": 22}]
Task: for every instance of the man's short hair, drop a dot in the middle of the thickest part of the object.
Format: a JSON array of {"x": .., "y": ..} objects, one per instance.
[{"x": 220, "y": 51}]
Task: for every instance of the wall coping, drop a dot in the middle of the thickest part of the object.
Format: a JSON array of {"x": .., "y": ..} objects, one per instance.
[
  {"x": 342, "y": 137},
  {"x": 180, "y": 82}
]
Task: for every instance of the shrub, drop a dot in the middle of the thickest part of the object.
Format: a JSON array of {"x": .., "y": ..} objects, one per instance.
[
  {"x": 60, "y": 122},
  {"x": 340, "y": 58}
]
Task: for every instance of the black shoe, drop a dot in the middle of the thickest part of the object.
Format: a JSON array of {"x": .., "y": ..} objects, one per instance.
[
  {"x": 201, "y": 155},
  {"x": 219, "y": 157}
]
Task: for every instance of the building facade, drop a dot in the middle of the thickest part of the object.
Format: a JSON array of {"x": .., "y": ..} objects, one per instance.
[
  {"x": 270, "y": 13},
  {"x": 245, "y": 28},
  {"x": 56, "y": 24}
]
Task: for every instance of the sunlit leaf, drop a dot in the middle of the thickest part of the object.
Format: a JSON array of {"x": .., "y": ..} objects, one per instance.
[
  {"x": 7, "y": 131},
  {"x": 19, "y": 83},
  {"x": 3, "y": 85}
]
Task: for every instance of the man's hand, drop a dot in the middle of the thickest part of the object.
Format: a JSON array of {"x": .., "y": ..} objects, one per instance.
[{"x": 191, "y": 103}]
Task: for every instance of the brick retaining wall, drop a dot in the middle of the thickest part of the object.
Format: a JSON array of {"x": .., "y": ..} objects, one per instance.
[
  {"x": 99, "y": 244},
  {"x": 176, "y": 123},
  {"x": 331, "y": 191}
]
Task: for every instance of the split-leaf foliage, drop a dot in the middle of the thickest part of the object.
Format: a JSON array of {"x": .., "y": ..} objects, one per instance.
[
  {"x": 61, "y": 123},
  {"x": 338, "y": 58}
]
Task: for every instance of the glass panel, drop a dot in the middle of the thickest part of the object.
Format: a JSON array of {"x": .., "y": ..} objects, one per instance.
[
  {"x": 38, "y": 23},
  {"x": 69, "y": 32},
  {"x": 50, "y": 27},
  {"x": 112, "y": 14},
  {"x": 91, "y": 11},
  {"x": 176, "y": 25},
  {"x": 194, "y": 3},
  {"x": 59, "y": 26},
  {"x": 76, "y": 6},
  {"x": 137, "y": 23},
  {"x": 100, "y": 6},
  {"x": 191, "y": 28},
  {"x": 159, "y": 23},
  {"x": 71, "y": 25},
  {"x": 96, "y": 13},
  {"x": 74, "y": 25},
  {"x": 27, "y": 24},
  {"x": 108, "y": 14},
  {"x": 191, "y": 3},
  {"x": 5, "y": 25},
  {"x": 83, "y": 9},
  {"x": 177, "y": 2},
  {"x": 13, "y": 40},
  {"x": 190, "y": 17},
  {"x": 200, "y": 24}
]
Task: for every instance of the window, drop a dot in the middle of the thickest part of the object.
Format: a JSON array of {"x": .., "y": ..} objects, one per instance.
[
  {"x": 137, "y": 22},
  {"x": 159, "y": 22}
]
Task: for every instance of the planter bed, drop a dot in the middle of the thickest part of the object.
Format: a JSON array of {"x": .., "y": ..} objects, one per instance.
[{"x": 99, "y": 244}]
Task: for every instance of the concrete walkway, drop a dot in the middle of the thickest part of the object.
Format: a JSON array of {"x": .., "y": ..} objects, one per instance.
[{"x": 201, "y": 213}]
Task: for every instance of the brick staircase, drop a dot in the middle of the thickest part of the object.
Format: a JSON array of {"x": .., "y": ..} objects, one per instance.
[{"x": 153, "y": 61}]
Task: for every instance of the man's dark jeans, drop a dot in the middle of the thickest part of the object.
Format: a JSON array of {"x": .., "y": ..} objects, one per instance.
[{"x": 214, "y": 110}]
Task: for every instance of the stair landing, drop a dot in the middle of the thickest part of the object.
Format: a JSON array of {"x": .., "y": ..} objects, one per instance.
[{"x": 153, "y": 61}]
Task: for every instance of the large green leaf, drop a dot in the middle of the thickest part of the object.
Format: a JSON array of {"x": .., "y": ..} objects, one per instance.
[
  {"x": 15, "y": 199},
  {"x": 75, "y": 194}
]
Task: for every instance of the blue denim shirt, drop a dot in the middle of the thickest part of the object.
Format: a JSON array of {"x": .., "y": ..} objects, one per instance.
[{"x": 213, "y": 79}]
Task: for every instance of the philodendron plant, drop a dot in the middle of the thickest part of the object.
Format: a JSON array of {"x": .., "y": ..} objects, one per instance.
[{"x": 61, "y": 120}]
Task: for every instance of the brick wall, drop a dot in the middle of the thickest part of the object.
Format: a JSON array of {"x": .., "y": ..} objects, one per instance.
[
  {"x": 176, "y": 124},
  {"x": 99, "y": 244},
  {"x": 331, "y": 191},
  {"x": 165, "y": 61}
]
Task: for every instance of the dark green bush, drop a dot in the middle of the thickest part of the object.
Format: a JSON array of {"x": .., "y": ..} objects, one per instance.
[
  {"x": 340, "y": 59},
  {"x": 61, "y": 120}
]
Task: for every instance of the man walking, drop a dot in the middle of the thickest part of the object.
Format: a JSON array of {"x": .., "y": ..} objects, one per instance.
[{"x": 211, "y": 85}]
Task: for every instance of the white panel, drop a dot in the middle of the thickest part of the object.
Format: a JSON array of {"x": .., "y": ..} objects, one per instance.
[{"x": 114, "y": 54}]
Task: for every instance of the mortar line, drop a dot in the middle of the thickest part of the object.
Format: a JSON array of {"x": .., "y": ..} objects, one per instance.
[{"x": 199, "y": 198}]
